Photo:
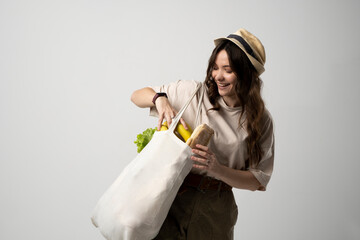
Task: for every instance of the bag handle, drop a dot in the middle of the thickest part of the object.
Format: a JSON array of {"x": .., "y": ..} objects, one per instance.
[
  {"x": 176, "y": 119},
  {"x": 199, "y": 109}
]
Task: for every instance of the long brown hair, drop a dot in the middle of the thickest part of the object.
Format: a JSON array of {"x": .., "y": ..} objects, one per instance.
[{"x": 248, "y": 90}]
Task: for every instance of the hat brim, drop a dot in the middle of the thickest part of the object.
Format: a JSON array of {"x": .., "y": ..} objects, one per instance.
[{"x": 257, "y": 65}]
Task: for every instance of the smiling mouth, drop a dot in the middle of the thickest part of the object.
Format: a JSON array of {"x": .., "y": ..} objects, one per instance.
[{"x": 223, "y": 84}]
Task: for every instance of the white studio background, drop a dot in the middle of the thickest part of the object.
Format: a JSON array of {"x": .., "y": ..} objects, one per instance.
[{"x": 67, "y": 126}]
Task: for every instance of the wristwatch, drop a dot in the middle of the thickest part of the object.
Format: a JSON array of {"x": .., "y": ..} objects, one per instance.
[{"x": 159, "y": 94}]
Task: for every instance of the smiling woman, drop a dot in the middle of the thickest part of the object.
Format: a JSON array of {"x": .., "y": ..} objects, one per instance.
[
  {"x": 241, "y": 152},
  {"x": 232, "y": 76},
  {"x": 225, "y": 79}
]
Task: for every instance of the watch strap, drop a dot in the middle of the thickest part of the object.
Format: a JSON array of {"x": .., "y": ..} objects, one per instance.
[{"x": 159, "y": 94}]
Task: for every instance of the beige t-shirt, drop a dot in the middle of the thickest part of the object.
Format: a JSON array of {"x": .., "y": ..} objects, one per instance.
[{"x": 228, "y": 142}]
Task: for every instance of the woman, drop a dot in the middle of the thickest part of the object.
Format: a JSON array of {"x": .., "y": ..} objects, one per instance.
[{"x": 241, "y": 152}]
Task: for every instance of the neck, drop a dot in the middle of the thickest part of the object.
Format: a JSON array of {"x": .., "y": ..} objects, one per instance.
[{"x": 231, "y": 101}]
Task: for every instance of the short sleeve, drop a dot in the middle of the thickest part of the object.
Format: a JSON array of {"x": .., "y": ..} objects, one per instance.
[
  {"x": 178, "y": 92},
  {"x": 264, "y": 169}
]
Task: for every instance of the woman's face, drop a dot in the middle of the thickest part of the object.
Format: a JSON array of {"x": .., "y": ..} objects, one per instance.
[{"x": 225, "y": 79}]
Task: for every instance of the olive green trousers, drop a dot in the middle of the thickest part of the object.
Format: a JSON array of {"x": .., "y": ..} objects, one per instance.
[{"x": 200, "y": 215}]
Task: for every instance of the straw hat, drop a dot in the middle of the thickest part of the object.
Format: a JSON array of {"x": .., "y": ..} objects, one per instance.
[{"x": 251, "y": 45}]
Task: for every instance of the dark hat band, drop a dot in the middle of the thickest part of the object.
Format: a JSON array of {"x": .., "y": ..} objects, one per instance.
[{"x": 244, "y": 43}]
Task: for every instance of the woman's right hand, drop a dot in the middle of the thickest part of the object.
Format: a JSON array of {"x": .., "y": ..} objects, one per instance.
[
  {"x": 166, "y": 111},
  {"x": 143, "y": 98}
]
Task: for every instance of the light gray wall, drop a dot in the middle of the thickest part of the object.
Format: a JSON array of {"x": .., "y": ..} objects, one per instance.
[{"x": 67, "y": 126}]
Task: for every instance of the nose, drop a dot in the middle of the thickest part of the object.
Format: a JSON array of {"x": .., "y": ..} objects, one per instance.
[{"x": 218, "y": 76}]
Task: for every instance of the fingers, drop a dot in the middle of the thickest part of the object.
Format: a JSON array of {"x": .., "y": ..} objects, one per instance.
[
  {"x": 167, "y": 113},
  {"x": 169, "y": 117},
  {"x": 204, "y": 154},
  {"x": 204, "y": 148},
  {"x": 201, "y": 167},
  {"x": 201, "y": 163},
  {"x": 203, "y": 159},
  {"x": 200, "y": 160},
  {"x": 203, "y": 151},
  {"x": 182, "y": 121},
  {"x": 161, "y": 118},
  {"x": 165, "y": 110}
]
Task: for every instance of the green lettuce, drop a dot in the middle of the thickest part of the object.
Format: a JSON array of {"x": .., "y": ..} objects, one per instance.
[{"x": 144, "y": 138}]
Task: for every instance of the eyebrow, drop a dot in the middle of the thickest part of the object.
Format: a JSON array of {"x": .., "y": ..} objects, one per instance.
[{"x": 222, "y": 66}]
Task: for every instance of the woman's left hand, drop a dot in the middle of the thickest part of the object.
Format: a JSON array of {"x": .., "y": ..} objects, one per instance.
[{"x": 205, "y": 159}]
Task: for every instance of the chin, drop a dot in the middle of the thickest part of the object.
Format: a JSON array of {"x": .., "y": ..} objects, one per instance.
[{"x": 225, "y": 93}]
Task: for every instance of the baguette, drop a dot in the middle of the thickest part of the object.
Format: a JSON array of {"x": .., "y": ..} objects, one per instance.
[{"x": 201, "y": 135}]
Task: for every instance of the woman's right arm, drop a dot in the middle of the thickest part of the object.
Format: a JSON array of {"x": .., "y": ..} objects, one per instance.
[{"x": 143, "y": 97}]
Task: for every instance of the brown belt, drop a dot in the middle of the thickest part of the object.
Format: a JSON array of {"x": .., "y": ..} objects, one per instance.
[{"x": 203, "y": 183}]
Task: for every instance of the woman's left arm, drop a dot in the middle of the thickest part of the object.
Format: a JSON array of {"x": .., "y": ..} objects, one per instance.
[{"x": 236, "y": 178}]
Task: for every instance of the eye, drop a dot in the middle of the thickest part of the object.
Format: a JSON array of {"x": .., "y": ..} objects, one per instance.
[{"x": 228, "y": 70}]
